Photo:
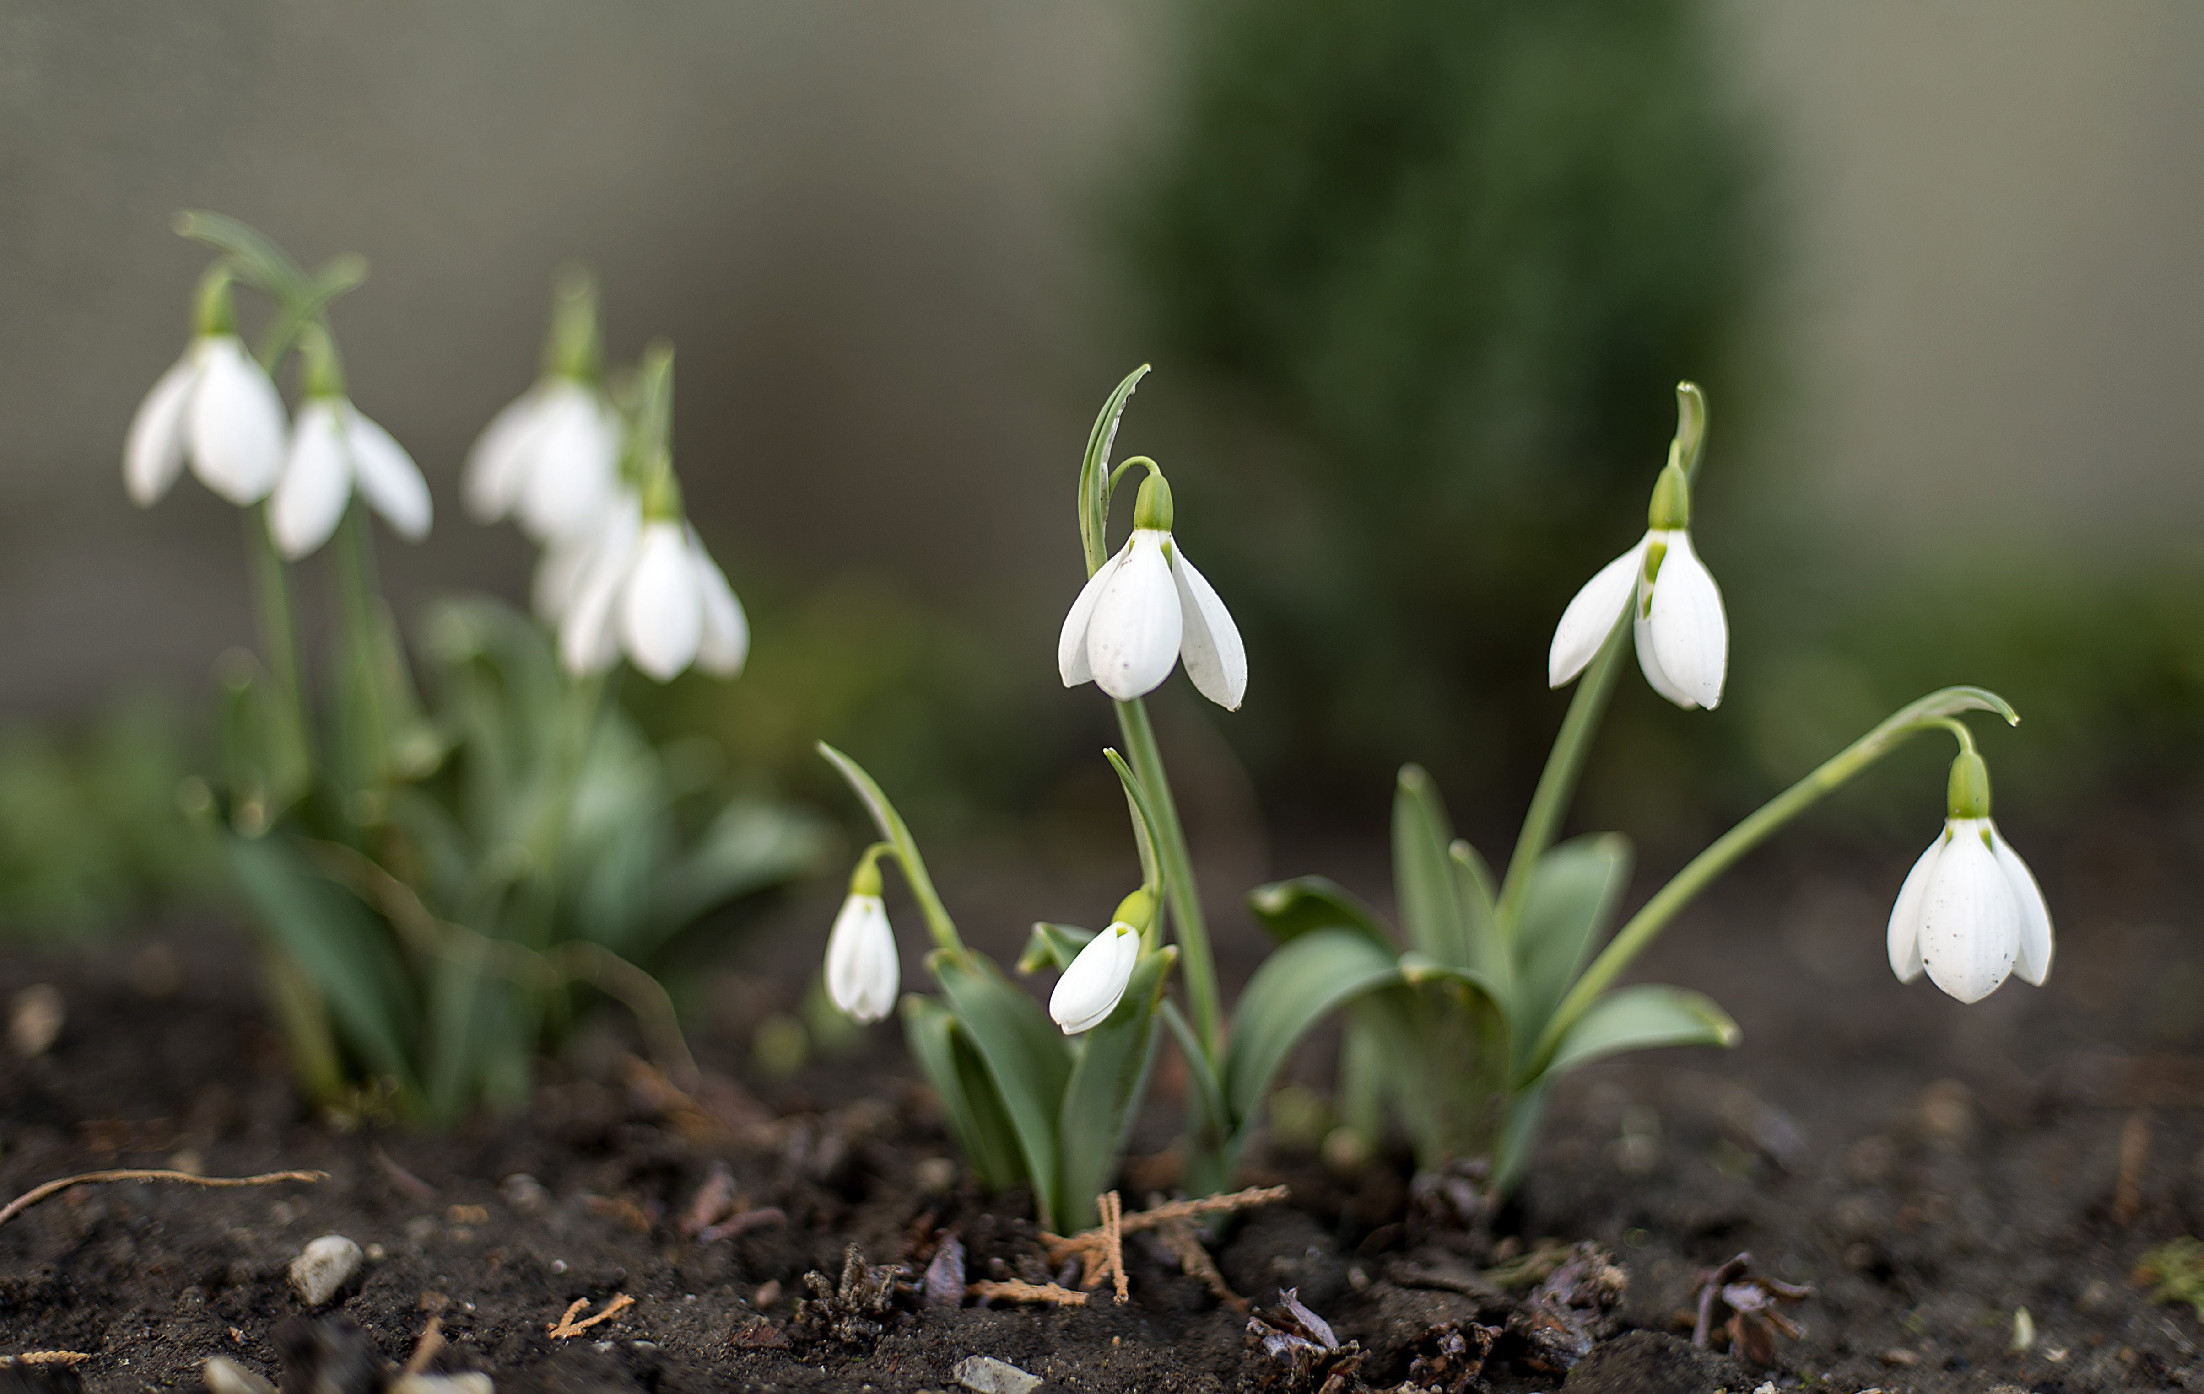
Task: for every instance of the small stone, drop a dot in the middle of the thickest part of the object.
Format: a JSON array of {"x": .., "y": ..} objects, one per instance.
[
  {"x": 472, "y": 1382},
  {"x": 222, "y": 1375},
  {"x": 2095, "y": 1298},
  {"x": 35, "y": 1023},
  {"x": 524, "y": 1192},
  {"x": 323, "y": 1267},
  {"x": 935, "y": 1175},
  {"x": 983, "y": 1374},
  {"x": 1945, "y": 1113}
]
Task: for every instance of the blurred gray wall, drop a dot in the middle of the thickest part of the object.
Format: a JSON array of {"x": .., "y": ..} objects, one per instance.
[{"x": 866, "y": 226}]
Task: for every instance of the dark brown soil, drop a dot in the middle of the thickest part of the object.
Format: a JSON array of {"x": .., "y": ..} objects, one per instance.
[{"x": 1926, "y": 1168}]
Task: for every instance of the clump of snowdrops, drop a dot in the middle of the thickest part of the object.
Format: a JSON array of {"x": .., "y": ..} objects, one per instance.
[
  {"x": 444, "y": 850},
  {"x": 1494, "y": 987}
]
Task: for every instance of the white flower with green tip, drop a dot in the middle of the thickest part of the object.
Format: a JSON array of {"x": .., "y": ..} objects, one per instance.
[
  {"x": 334, "y": 449},
  {"x": 863, "y": 970},
  {"x": 1970, "y": 913},
  {"x": 215, "y": 409},
  {"x": 1146, "y": 609},
  {"x": 1095, "y": 982}
]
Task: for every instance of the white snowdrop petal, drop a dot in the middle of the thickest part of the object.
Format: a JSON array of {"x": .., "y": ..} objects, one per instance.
[
  {"x": 1071, "y": 642},
  {"x": 863, "y": 970},
  {"x": 2034, "y": 960},
  {"x": 1591, "y": 616},
  {"x": 234, "y": 423},
  {"x": 1970, "y": 923},
  {"x": 317, "y": 481},
  {"x": 1209, "y": 642},
  {"x": 1095, "y": 982},
  {"x": 1133, "y": 637},
  {"x": 1641, "y": 633},
  {"x": 490, "y": 480},
  {"x": 589, "y": 636},
  {"x": 1691, "y": 636},
  {"x": 387, "y": 477},
  {"x": 661, "y": 614},
  {"x": 725, "y": 642},
  {"x": 571, "y": 465},
  {"x": 559, "y": 573},
  {"x": 153, "y": 452},
  {"x": 1905, "y": 917}
]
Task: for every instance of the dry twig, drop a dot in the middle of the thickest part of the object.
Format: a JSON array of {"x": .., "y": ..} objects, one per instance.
[
  {"x": 1194, "y": 1261},
  {"x": 566, "y": 1327},
  {"x": 1012, "y": 1290},
  {"x": 425, "y": 1349},
  {"x": 46, "y": 1357},
  {"x": 1099, "y": 1248},
  {"x": 1113, "y": 1242},
  {"x": 36, "y": 1194}
]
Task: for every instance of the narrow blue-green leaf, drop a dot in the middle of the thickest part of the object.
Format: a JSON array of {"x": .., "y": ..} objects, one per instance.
[
  {"x": 1518, "y": 1132},
  {"x": 958, "y": 1076},
  {"x": 1300, "y": 984},
  {"x": 1094, "y": 473},
  {"x": 1574, "y": 892},
  {"x": 1145, "y": 827},
  {"x": 1208, "y": 1090},
  {"x": 1026, "y": 1057},
  {"x": 751, "y": 845},
  {"x": 1108, "y": 1079},
  {"x": 1423, "y": 878},
  {"x": 1052, "y": 946},
  {"x": 1485, "y": 943},
  {"x": 1642, "y": 1017},
  {"x": 1290, "y": 909}
]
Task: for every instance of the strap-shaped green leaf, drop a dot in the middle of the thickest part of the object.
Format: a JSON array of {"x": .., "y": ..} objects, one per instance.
[
  {"x": 1290, "y": 909},
  {"x": 1026, "y": 1056},
  {"x": 967, "y": 1093},
  {"x": 1208, "y": 1089},
  {"x": 1094, "y": 473},
  {"x": 339, "y": 945},
  {"x": 1486, "y": 945},
  {"x": 1107, "y": 1082},
  {"x": 1642, "y": 1017},
  {"x": 1526, "y": 1109},
  {"x": 1423, "y": 877},
  {"x": 1300, "y": 984},
  {"x": 1574, "y": 891},
  {"x": 1147, "y": 834}
]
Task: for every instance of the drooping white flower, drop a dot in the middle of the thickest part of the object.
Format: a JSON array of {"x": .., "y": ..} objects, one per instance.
[
  {"x": 335, "y": 449},
  {"x": 1095, "y": 982},
  {"x": 217, "y": 409},
  {"x": 550, "y": 459},
  {"x": 1146, "y": 609},
  {"x": 1681, "y": 633},
  {"x": 1970, "y": 912},
  {"x": 649, "y": 589},
  {"x": 862, "y": 968}
]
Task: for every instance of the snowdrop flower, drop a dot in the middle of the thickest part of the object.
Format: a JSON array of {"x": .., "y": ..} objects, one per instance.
[
  {"x": 862, "y": 969},
  {"x": 1969, "y": 912},
  {"x": 333, "y": 450},
  {"x": 1676, "y": 609},
  {"x": 215, "y": 408},
  {"x": 1147, "y": 608},
  {"x": 551, "y": 457},
  {"x": 646, "y": 586},
  {"x": 1095, "y": 982}
]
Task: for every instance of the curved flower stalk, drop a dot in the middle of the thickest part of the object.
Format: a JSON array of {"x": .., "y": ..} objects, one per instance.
[
  {"x": 335, "y": 449},
  {"x": 216, "y": 408},
  {"x": 642, "y": 583},
  {"x": 1970, "y": 912},
  {"x": 551, "y": 457},
  {"x": 1498, "y": 989}
]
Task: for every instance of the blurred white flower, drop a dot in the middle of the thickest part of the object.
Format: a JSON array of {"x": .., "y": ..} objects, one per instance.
[
  {"x": 217, "y": 409},
  {"x": 551, "y": 459},
  {"x": 862, "y": 969},
  {"x": 1969, "y": 913},
  {"x": 333, "y": 450},
  {"x": 1682, "y": 635},
  {"x": 649, "y": 589},
  {"x": 1147, "y": 608},
  {"x": 1095, "y": 982}
]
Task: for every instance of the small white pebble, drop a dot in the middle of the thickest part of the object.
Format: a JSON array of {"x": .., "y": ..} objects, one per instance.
[
  {"x": 323, "y": 1267},
  {"x": 472, "y": 1382},
  {"x": 983, "y": 1374},
  {"x": 222, "y": 1375},
  {"x": 35, "y": 1023}
]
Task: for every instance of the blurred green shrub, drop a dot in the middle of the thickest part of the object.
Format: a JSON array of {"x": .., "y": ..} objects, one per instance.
[
  {"x": 91, "y": 833},
  {"x": 1454, "y": 257}
]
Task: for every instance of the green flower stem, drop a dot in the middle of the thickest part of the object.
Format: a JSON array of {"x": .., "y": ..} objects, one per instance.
[
  {"x": 279, "y": 643},
  {"x": 1931, "y": 713},
  {"x": 356, "y": 590},
  {"x": 1179, "y": 888},
  {"x": 898, "y": 834},
  {"x": 1564, "y": 766}
]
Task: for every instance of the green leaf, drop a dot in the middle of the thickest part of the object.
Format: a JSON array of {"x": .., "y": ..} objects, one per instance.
[
  {"x": 960, "y": 1078},
  {"x": 1052, "y": 946},
  {"x": 1208, "y": 1091},
  {"x": 1290, "y": 909},
  {"x": 1094, "y": 473},
  {"x": 1520, "y": 1129},
  {"x": 898, "y": 834},
  {"x": 1486, "y": 945},
  {"x": 1300, "y": 984},
  {"x": 343, "y": 949},
  {"x": 1423, "y": 879},
  {"x": 1571, "y": 905},
  {"x": 1145, "y": 827},
  {"x": 1642, "y": 1017},
  {"x": 750, "y": 845},
  {"x": 1026, "y": 1057},
  {"x": 1108, "y": 1078}
]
